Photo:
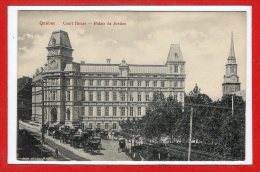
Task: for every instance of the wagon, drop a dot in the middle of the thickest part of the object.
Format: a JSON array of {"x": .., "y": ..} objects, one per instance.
[
  {"x": 77, "y": 141},
  {"x": 122, "y": 145},
  {"x": 93, "y": 145}
]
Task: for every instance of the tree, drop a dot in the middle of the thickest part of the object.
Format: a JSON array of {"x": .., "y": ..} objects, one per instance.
[
  {"x": 161, "y": 117},
  {"x": 232, "y": 131},
  {"x": 199, "y": 102}
]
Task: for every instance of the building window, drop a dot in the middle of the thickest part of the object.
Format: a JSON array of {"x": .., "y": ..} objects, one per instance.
[
  {"x": 106, "y": 125},
  {"x": 131, "y": 98},
  {"x": 83, "y": 96},
  {"x": 45, "y": 95},
  {"x": 147, "y": 98},
  {"x": 122, "y": 111},
  {"x": 162, "y": 84},
  {"x": 90, "y": 111},
  {"x": 176, "y": 68},
  {"x": 90, "y": 82},
  {"x": 68, "y": 95},
  {"x": 107, "y": 83},
  {"x": 147, "y": 83},
  {"x": 99, "y": 82},
  {"x": 131, "y": 83},
  {"x": 98, "y": 96},
  {"x": 114, "y": 96},
  {"x": 90, "y": 125},
  {"x": 181, "y": 97},
  {"x": 53, "y": 95},
  {"x": 52, "y": 81},
  {"x": 139, "y": 111},
  {"x": 98, "y": 125},
  {"x": 114, "y": 126},
  {"x": 83, "y": 81},
  {"x": 98, "y": 111},
  {"x": 171, "y": 71},
  {"x": 139, "y": 83},
  {"x": 176, "y": 55},
  {"x": 232, "y": 69},
  {"x": 106, "y": 111},
  {"x": 131, "y": 111},
  {"x": 114, "y": 111},
  {"x": 67, "y": 81},
  {"x": 123, "y": 83},
  {"x": 114, "y": 83},
  {"x": 139, "y": 97},
  {"x": 176, "y": 84},
  {"x": 155, "y": 83},
  {"x": 68, "y": 114},
  {"x": 123, "y": 97},
  {"x": 181, "y": 83},
  {"x": 175, "y": 97},
  {"x": 90, "y": 96},
  {"x": 82, "y": 111},
  {"x": 107, "y": 96}
]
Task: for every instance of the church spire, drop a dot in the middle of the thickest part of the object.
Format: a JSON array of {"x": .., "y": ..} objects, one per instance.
[{"x": 232, "y": 50}]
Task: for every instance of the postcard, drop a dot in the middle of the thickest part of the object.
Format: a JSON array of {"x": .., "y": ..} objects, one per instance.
[{"x": 130, "y": 85}]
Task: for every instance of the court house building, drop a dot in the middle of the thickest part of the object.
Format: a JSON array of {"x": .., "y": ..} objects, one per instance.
[{"x": 100, "y": 95}]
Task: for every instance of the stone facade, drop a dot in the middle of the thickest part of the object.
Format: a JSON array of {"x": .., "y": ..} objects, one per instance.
[
  {"x": 100, "y": 95},
  {"x": 231, "y": 84},
  {"x": 24, "y": 98}
]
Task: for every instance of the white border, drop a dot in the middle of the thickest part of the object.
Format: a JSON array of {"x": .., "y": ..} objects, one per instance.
[{"x": 12, "y": 81}]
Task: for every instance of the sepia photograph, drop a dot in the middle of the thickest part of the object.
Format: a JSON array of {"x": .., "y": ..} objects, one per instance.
[{"x": 131, "y": 86}]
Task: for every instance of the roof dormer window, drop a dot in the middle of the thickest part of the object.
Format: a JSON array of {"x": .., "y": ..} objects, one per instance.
[
  {"x": 176, "y": 55},
  {"x": 53, "y": 41}
]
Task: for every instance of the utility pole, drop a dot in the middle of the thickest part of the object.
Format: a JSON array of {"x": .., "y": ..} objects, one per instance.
[
  {"x": 232, "y": 104},
  {"x": 190, "y": 137},
  {"x": 43, "y": 128}
]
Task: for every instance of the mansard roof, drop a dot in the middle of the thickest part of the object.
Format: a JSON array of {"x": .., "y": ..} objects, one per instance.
[
  {"x": 114, "y": 68},
  {"x": 59, "y": 38},
  {"x": 175, "y": 53}
]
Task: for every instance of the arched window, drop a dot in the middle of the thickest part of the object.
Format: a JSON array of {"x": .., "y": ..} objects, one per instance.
[
  {"x": 232, "y": 69},
  {"x": 68, "y": 114}
]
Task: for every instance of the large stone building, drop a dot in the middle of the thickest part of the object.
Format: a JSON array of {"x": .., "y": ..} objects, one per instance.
[
  {"x": 100, "y": 95},
  {"x": 231, "y": 84},
  {"x": 24, "y": 98}
]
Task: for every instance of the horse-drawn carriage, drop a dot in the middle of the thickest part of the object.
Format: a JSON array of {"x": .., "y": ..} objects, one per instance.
[
  {"x": 93, "y": 145},
  {"x": 66, "y": 134},
  {"x": 122, "y": 145},
  {"x": 77, "y": 141}
]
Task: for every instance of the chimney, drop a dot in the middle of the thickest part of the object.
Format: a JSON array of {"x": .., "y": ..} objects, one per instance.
[{"x": 108, "y": 61}]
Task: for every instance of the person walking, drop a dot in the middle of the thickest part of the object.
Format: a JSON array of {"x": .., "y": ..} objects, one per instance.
[{"x": 56, "y": 152}]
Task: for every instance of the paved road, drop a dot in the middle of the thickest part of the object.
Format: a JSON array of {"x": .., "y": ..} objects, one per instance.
[
  {"x": 64, "y": 153},
  {"x": 109, "y": 150}
]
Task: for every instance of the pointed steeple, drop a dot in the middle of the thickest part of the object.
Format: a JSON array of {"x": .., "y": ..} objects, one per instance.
[{"x": 232, "y": 50}]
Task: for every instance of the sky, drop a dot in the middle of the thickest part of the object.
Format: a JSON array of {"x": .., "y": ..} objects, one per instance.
[{"x": 144, "y": 38}]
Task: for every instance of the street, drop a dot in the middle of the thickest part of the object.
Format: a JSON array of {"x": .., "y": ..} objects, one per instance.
[{"x": 109, "y": 151}]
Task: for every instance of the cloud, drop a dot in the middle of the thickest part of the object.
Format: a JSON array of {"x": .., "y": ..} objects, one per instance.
[{"x": 204, "y": 38}]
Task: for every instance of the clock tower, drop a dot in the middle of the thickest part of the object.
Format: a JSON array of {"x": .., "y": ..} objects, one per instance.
[
  {"x": 59, "y": 51},
  {"x": 231, "y": 84}
]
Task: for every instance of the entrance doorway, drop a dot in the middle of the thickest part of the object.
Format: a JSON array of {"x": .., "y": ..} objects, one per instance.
[{"x": 53, "y": 115}]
